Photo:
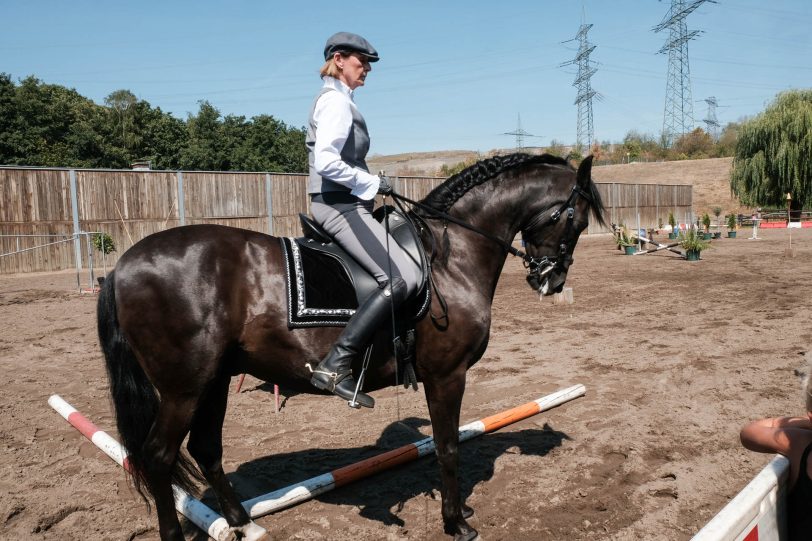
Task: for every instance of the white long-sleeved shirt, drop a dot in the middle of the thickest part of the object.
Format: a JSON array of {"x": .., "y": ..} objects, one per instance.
[{"x": 333, "y": 119}]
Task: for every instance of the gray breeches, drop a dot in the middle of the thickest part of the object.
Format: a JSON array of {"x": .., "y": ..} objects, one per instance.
[{"x": 349, "y": 221}]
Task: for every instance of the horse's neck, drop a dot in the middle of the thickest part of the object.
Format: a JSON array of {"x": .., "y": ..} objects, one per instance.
[
  {"x": 478, "y": 257},
  {"x": 493, "y": 208}
]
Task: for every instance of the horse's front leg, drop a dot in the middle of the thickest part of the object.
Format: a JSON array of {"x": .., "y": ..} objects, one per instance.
[{"x": 444, "y": 397}]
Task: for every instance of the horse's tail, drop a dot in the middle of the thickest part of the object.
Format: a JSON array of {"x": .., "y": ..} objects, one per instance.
[{"x": 135, "y": 400}]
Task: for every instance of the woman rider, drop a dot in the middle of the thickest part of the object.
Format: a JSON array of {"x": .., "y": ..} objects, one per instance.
[{"x": 342, "y": 193}]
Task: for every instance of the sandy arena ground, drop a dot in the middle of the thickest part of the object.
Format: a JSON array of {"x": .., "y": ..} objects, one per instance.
[{"x": 675, "y": 356}]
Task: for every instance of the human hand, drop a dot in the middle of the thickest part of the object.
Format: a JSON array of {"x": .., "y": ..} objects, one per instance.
[{"x": 384, "y": 188}]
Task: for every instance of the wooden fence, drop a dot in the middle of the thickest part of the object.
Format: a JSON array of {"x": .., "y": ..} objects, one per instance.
[
  {"x": 41, "y": 206},
  {"x": 652, "y": 202}
]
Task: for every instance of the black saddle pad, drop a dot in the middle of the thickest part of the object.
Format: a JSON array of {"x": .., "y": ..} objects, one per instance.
[
  {"x": 326, "y": 285},
  {"x": 327, "y": 297}
]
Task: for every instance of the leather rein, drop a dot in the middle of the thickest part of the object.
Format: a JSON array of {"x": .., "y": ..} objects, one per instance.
[{"x": 537, "y": 267}]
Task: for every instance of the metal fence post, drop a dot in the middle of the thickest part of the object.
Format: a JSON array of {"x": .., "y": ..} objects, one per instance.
[
  {"x": 657, "y": 204},
  {"x": 613, "y": 197},
  {"x": 269, "y": 202},
  {"x": 181, "y": 205},
  {"x": 74, "y": 203}
]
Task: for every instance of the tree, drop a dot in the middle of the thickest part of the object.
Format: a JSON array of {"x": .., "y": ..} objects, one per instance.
[
  {"x": 556, "y": 148},
  {"x": 8, "y": 113},
  {"x": 633, "y": 148},
  {"x": 203, "y": 149},
  {"x": 46, "y": 120},
  {"x": 274, "y": 146},
  {"x": 774, "y": 154},
  {"x": 726, "y": 145},
  {"x": 694, "y": 145},
  {"x": 87, "y": 142},
  {"x": 642, "y": 146},
  {"x": 446, "y": 171},
  {"x": 575, "y": 155},
  {"x": 164, "y": 136},
  {"x": 122, "y": 107},
  {"x": 50, "y": 125}
]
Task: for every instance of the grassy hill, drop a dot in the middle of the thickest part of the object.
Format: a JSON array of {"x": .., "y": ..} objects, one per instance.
[
  {"x": 419, "y": 163},
  {"x": 710, "y": 178}
]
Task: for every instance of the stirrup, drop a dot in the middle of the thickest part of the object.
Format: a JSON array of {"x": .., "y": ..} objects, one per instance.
[{"x": 353, "y": 403}]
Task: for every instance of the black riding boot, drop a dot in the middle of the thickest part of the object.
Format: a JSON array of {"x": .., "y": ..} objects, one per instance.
[{"x": 334, "y": 373}]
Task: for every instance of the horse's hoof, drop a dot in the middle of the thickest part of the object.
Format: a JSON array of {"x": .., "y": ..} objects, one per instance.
[
  {"x": 471, "y": 535},
  {"x": 248, "y": 532},
  {"x": 461, "y": 531}
]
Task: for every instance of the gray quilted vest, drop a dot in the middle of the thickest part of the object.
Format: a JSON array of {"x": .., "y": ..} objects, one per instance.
[{"x": 354, "y": 151}]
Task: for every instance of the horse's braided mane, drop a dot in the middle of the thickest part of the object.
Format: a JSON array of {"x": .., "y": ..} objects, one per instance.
[{"x": 449, "y": 192}]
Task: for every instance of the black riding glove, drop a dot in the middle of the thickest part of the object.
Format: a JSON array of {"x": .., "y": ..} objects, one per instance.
[{"x": 384, "y": 188}]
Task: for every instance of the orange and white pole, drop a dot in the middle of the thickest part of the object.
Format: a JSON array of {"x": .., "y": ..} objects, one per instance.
[
  {"x": 216, "y": 526},
  {"x": 300, "y": 492},
  {"x": 195, "y": 510}
]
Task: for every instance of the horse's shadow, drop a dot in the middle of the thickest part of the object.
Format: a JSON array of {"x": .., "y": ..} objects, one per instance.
[{"x": 380, "y": 497}]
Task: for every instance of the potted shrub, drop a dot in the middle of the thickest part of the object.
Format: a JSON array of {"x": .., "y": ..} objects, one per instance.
[
  {"x": 717, "y": 211},
  {"x": 673, "y": 223},
  {"x": 693, "y": 242},
  {"x": 103, "y": 243},
  {"x": 706, "y": 221},
  {"x": 731, "y": 226},
  {"x": 625, "y": 241}
]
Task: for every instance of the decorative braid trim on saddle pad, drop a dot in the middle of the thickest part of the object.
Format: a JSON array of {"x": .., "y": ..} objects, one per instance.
[{"x": 330, "y": 314}]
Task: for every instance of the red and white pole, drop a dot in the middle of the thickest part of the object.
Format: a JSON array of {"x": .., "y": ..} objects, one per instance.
[
  {"x": 195, "y": 510},
  {"x": 215, "y": 525}
]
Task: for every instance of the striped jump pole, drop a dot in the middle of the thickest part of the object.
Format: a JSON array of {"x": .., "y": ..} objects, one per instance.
[
  {"x": 195, "y": 510},
  {"x": 300, "y": 492}
]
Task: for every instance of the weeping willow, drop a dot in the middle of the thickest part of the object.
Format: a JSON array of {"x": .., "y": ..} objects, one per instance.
[{"x": 774, "y": 154}]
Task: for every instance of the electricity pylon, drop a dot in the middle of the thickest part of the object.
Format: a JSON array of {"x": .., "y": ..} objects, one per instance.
[
  {"x": 679, "y": 112},
  {"x": 520, "y": 134},
  {"x": 586, "y": 69},
  {"x": 711, "y": 121}
]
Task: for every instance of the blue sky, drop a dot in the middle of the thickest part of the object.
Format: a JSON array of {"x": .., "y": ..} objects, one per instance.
[{"x": 452, "y": 75}]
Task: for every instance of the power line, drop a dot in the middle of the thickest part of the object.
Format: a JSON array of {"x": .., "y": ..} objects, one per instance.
[{"x": 678, "y": 117}]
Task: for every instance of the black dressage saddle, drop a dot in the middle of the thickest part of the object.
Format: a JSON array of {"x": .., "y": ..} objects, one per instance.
[{"x": 326, "y": 285}]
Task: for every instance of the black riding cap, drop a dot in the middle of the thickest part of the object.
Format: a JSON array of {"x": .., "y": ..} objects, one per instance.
[{"x": 347, "y": 42}]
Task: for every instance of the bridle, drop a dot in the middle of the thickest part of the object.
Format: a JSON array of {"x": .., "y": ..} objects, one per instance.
[{"x": 537, "y": 267}]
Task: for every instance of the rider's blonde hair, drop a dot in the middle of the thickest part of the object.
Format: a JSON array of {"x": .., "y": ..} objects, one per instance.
[{"x": 330, "y": 68}]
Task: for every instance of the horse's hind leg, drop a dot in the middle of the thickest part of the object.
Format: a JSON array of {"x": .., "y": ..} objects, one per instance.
[
  {"x": 206, "y": 447},
  {"x": 161, "y": 452}
]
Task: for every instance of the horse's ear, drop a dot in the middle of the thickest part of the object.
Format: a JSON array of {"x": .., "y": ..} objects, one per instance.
[{"x": 584, "y": 175}]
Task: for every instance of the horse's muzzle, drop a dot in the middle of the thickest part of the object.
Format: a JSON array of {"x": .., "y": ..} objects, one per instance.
[{"x": 547, "y": 284}]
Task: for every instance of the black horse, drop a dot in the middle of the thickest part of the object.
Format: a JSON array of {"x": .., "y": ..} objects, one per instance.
[{"x": 188, "y": 308}]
